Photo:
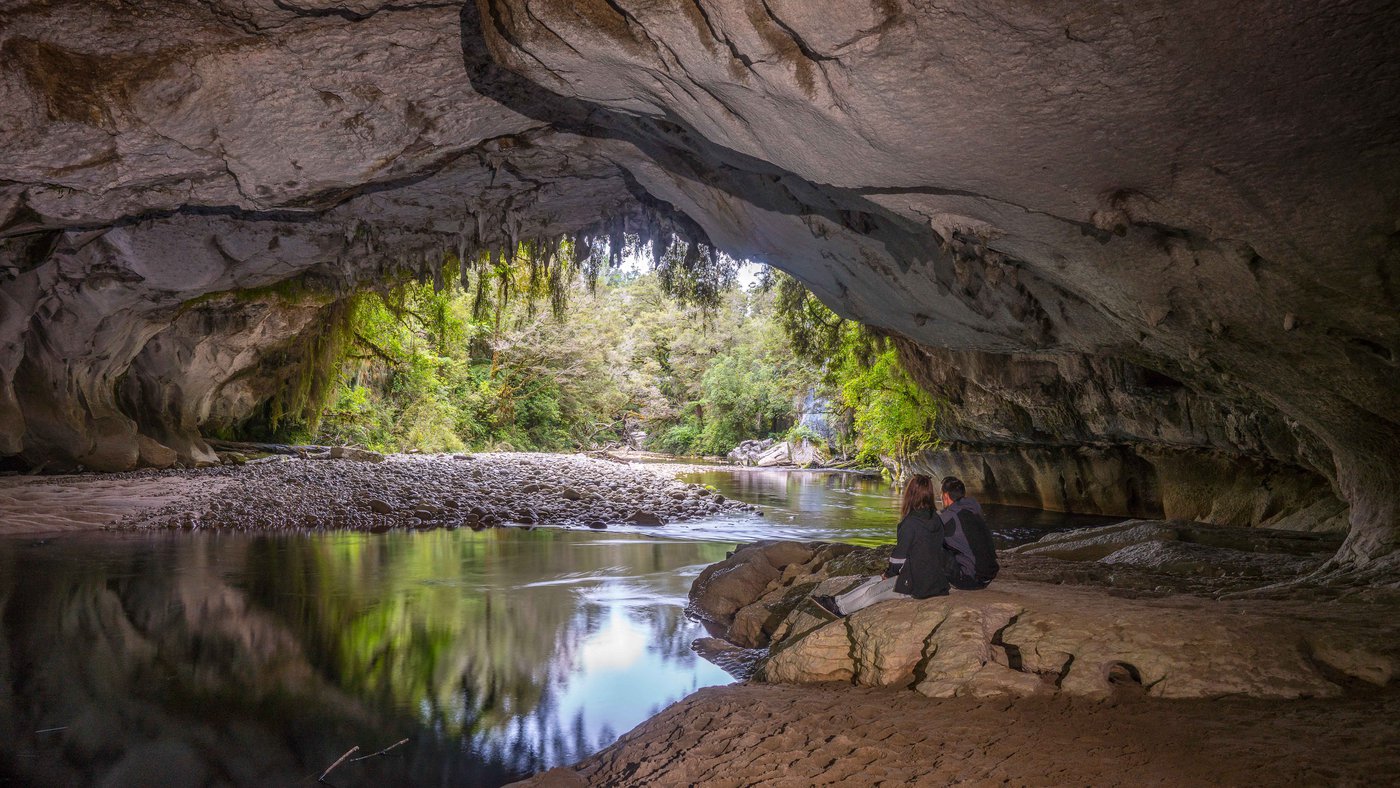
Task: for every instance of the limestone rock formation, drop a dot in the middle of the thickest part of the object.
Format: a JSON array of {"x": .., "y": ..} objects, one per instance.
[
  {"x": 1116, "y": 239},
  {"x": 750, "y": 593},
  {"x": 1031, "y": 638},
  {"x": 768, "y": 453},
  {"x": 748, "y": 452}
]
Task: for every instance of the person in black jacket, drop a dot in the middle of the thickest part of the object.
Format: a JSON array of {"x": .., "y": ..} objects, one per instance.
[{"x": 933, "y": 551}]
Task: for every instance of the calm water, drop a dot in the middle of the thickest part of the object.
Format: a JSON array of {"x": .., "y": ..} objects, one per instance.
[
  {"x": 177, "y": 658},
  {"x": 849, "y": 507},
  {"x": 169, "y": 658}
]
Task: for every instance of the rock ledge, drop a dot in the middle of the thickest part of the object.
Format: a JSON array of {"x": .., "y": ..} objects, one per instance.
[{"x": 1030, "y": 638}]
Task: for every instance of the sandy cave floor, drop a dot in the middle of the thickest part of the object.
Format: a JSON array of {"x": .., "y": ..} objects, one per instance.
[
  {"x": 774, "y": 735},
  {"x": 60, "y": 504}
]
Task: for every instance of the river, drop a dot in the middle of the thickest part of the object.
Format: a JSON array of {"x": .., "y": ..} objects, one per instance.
[{"x": 159, "y": 658}]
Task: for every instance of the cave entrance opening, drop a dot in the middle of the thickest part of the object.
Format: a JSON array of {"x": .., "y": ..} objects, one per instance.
[{"x": 636, "y": 344}]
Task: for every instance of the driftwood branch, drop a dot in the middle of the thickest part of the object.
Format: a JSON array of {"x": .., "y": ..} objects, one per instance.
[
  {"x": 381, "y": 752},
  {"x": 338, "y": 761}
]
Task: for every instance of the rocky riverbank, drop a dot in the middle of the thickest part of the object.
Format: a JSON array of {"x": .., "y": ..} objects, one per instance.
[
  {"x": 1023, "y": 637},
  {"x": 402, "y": 491}
]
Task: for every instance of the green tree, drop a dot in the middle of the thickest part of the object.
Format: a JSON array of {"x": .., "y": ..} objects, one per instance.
[{"x": 890, "y": 415}]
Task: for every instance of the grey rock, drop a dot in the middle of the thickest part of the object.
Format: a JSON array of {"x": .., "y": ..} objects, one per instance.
[
  {"x": 643, "y": 517},
  {"x": 1091, "y": 544}
]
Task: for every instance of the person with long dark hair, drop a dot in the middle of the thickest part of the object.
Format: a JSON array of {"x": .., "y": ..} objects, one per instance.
[{"x": 933, "y": 551}]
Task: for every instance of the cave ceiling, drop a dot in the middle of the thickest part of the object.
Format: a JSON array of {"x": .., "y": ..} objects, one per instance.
[{"x": 1047, "y": 198}]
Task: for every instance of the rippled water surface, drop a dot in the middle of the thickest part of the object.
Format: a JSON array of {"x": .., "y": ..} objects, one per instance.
[{"x": 222, "y": 658}]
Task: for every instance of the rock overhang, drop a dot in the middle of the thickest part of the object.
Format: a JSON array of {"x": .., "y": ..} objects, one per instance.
[{"x": 1210, "y": 199}]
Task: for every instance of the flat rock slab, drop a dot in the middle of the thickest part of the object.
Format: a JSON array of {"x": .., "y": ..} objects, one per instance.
[
  {"x": 766, "y": 735},
  {"x": 1037, "y": 639}
]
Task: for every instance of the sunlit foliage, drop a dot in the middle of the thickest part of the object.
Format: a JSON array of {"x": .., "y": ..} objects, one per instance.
[
  {"x": 892, "y": 416},
  {"x": 678, "y": 358}
]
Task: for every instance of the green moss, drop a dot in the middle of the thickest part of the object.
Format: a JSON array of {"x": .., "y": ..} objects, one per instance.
[
  {"x": 304, "y": 395},
  {"x": 299, "y": 290}
]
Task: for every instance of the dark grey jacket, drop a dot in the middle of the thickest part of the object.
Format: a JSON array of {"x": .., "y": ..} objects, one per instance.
[
  {"x": 967, "y": 537},
  {"x": 919, "y": 557}
]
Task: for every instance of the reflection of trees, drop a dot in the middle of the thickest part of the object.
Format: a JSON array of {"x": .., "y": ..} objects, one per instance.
[
  {"x": 473, "y": 633},
  {"x": 143, "y": 667},
  {"x": 261, "y": 660}
]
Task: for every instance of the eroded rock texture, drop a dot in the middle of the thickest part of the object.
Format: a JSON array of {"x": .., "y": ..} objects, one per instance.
[
  {"x": 1022, "y": 637},
  {"x": 1148, "y": 253}
]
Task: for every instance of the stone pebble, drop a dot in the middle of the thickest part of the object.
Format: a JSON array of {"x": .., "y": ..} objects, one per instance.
[{"x": 443, "y": 491}]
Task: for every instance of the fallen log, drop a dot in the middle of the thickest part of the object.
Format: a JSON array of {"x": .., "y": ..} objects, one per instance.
[{"x": 268, "y": 448}]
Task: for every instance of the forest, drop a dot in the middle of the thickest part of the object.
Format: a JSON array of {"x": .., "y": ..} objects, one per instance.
[{"x": 511, "y": 355}]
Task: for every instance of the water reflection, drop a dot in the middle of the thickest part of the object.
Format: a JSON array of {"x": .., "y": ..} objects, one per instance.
[
  {"x": 847, "y": 507},
  {"x": 259, "y": 660},
  {"x": 222, "y": 658}
]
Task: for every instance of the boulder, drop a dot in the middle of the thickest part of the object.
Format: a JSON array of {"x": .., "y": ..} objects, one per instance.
[
  {"x": 882, "y": 653},
  {"x": 779, "y": 454},
  {"x": 748, "y": 452},
  {"x": 822, "y": 653},
  {"x": 643, "y": 517},
  {"x": 739, "y": 580},
  {"x": 805, "y": 569},
  {"x": 808, "y": 454}
]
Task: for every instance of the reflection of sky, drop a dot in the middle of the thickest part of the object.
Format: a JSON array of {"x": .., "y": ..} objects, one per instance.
[
  {"x": 622, "y": 676},
  {"x": 621, "y": 664}
]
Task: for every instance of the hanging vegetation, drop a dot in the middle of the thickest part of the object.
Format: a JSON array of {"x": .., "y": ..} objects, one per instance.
[{"x": 452, "y": 350}]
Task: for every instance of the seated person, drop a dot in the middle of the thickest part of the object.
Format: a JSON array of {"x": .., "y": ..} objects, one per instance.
[
  {"x": 967, "y": 538},
  {"x": 933, "y": 551}
]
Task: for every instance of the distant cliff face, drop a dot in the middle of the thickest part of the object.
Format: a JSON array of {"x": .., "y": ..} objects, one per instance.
[{"x": 1147, "y": 232}]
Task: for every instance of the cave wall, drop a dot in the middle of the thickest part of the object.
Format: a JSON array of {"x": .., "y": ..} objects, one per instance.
[
  {"x": 1098, "y": 435},
  {"x": 1049, "y": 203}
]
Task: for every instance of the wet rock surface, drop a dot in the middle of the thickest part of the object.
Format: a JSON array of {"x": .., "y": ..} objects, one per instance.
[
  {"x": 436, "y": 491},
  {"x": 1080, "y": 613}
]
